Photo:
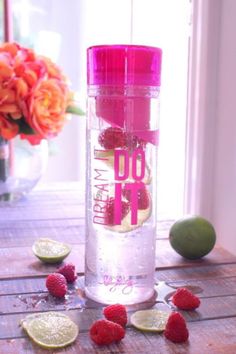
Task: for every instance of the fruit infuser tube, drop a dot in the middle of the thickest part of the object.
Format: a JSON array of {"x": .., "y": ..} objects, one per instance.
[{"x": 121, "y": 185}]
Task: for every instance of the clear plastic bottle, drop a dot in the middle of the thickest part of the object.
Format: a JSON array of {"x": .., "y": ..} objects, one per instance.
[{"x": 122, "y": 140}]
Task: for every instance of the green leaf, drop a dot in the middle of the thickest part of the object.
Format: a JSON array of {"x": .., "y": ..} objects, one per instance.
[
  {"x": 24, "y": 127},
  {"x": 75, "y": 110}
]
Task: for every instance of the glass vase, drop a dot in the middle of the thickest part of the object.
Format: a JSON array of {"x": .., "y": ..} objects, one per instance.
[{"x": 21, "y": 167}]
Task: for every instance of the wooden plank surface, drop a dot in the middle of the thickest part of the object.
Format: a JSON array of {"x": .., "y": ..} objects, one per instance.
[
  {"x": 196, "y": 272},
  {"x": 58, "y": 212},
  {"x": 14, "y": 307},
  {"x": 209, "y": 276},
  {"x": 23, "y": 232},
  {"x": 206, "y": 337},
  {"x": 166, "y": 258}
]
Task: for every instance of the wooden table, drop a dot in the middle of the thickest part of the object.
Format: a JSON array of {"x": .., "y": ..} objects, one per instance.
[{"x": 58, "y": 213}]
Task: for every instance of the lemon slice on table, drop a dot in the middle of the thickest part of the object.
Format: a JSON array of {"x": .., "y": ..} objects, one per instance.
[
  {"x": 50, "y": 329},
  {"x": 50, "y": 251},
  {"x": 150, "y": 320}
]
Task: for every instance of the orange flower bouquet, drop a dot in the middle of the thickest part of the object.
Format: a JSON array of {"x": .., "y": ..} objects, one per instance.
[{"x": 34, "y": 99}]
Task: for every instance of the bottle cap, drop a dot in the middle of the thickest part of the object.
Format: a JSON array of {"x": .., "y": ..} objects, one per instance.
[{"x": 124, "y": 65}]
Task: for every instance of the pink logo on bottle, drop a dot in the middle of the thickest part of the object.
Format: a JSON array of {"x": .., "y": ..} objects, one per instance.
[
  {"x": 119, "y": 282},
  {"x": 131, "y": 174},
  {"x": 129, "y": 170}
]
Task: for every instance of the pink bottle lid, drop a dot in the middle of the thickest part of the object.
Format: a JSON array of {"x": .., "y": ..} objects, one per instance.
[{"x": 124, "y": 65}]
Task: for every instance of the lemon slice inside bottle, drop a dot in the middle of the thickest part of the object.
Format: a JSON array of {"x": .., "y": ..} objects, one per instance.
[
  {"x": 50, "y": 329},
  {"x": 126, "y": 226},
  {"x": 50, "y": 251},
  {"x": 107, "y": 157},
  {"x": 150, "y": 320}
]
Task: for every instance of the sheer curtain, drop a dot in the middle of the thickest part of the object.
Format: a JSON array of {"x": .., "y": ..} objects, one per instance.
[{"x": 211, "y": 143}]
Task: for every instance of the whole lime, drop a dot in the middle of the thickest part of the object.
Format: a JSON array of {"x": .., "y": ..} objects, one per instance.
[{"x": 192, "y": 236}]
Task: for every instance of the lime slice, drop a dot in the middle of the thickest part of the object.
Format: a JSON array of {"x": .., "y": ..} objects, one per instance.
[
  {"x": 126, "y": 226},
  {"x": 50, "y": 329},
  {"x": 50, "y": 251},
  {"x": 150, "y": 320}
]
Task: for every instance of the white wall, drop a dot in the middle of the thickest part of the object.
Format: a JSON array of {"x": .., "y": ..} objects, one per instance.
[{"x": 224, "y": 182}]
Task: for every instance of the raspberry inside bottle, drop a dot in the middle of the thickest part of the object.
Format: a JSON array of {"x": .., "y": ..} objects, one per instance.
[{"x": 122, "y": 141}]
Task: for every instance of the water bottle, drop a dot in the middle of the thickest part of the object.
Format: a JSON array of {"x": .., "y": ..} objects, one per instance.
[{"x": 121, "y": 184}]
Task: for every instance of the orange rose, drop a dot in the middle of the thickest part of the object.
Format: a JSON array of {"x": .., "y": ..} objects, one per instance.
[
  {"x": 53, "y": 70},
  {"x": 30, "y": 72},
  {"x": 6, "y": 69},
  {"x": 8, "y": 129},
  {"x": 8, "y": 104},
  {"x": 47, "y": 107},
  {"x": 19, "y": 73},
  {"x": 34, "y": 91},
  {"x": 10, "y": 49}
]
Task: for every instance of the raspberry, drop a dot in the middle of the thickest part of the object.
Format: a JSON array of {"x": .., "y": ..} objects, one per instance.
[
  {"x": 143, "y": 197},
  {"x": 116, "y": 313},
  {"x": 185, "y": 300},
  {"x": 112, "y": 138},
  {"x": 104, "y": 332},
  {"x": 68, "y": 270},
  {"x": 110, "y": 211},
  {"x": 176, "y": 329},
  {"x": 56, "y": 284},
  {"x": 134, "y": 142}
]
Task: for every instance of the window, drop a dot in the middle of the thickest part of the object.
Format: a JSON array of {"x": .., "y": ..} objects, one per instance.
[
  {"x": 64, "y": 29},
  {"x": 151, "y": 22}
]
